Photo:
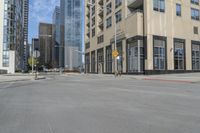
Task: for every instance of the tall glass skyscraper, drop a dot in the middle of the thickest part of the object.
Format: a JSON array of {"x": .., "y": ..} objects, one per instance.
[
  {"x": 25, "y": 26},
  {"x": 11, "y": 35},
  {"x": 58, "y": 59},
  {"x": 71, "y": 33}
]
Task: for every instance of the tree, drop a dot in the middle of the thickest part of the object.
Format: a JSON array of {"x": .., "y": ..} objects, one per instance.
[{"x": 35, "y": 61}]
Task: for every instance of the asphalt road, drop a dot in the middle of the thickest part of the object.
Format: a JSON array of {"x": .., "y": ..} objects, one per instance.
[{"x": 97, "y": 104}]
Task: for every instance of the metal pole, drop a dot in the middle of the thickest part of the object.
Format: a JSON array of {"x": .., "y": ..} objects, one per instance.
[
  {"x": 32, "y": 55},
  {"x": 115, "y": 44}
]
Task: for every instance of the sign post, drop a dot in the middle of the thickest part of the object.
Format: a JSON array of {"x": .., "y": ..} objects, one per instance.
[
  {"x": 36, "y": 54},
  {"x": 115, "y": 53}
]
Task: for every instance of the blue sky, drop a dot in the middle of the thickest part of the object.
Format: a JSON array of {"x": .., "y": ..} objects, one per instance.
[{"x": 40, "y": 11}]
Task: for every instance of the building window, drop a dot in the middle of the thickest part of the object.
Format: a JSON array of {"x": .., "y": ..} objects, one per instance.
[
  {"x": 159, "y": 5},
  {"x": 194, "y": 14},
  {"x": 87, "y": 63},
  {"x": 93, "y": 62},
  {"x": 109, "y": 59},
  {"x": 159, "y": 54},
  {"x": 93, "y": 21},
  {"x": 120, "y": 61},
  {"x": 195, "y": 56},
  {"x": 100, "y": 39},
  {"x": 93, "y": 32},
  {"x": 93, "y": 1},
  {"x": 178, "y": 10},
  {"x": 135, "y": 51},
  {"x": 109, "y": 8},
  {"x": 118, "y": 3},
  {"x": 195, "y": 2},
  {"x": 118, "y": 16},
  {"x": 100, "y": 60},
  {"x": 93, "y": 10},
  {"x": 179, "y": 55},
  {"x": 5, "y": 58},
  {"x": 109, "y": 22},
  {"x": 196, "y": 30}
]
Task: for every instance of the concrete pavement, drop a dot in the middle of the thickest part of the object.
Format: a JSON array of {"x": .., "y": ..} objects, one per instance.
[{"x": 91, "y": 104}]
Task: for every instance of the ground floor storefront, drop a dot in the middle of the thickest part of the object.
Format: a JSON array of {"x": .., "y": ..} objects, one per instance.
[{"x": 146, "y": 55}]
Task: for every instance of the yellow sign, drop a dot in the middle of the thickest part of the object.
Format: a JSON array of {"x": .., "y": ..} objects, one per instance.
[{"x": 115, "y": 53}]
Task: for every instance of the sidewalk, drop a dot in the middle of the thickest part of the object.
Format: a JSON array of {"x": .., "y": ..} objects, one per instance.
[
  {"x": 179, "y": 78},
  {"x": 18, "y": 77}
]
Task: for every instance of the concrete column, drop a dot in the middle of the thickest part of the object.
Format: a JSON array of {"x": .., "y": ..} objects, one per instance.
[
  {"x": 104, "y": 64},
  {"x": 90, "y": 61},
  {"x": 188, "y": 54},
  {"x": 149, "y": 60},
  {"x": 170, "y": 53},
  {"x": 113, "y": 59},
  {"x": 124, "y": 56},
  {"x": 96, "y": 65}
]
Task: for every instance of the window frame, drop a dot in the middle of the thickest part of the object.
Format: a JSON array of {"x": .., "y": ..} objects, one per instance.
[
  {"x": 165, "y": 55},
  {"x": 176, "y": 40},
  {"x": 178, "y": 12}
]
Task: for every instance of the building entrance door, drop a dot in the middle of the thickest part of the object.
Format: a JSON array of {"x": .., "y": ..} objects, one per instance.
[{"x": 100, "y": 61}]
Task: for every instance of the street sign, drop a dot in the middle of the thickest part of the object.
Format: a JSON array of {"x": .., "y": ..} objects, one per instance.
[
  {"x": 36, "y": 54},
  {"x": 115, "y": 53}
]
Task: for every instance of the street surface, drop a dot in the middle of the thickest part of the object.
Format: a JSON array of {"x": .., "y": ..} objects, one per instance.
[{"x": 99, "y": 104}]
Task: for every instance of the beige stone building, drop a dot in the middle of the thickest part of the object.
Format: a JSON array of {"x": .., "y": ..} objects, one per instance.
[{"x": 152, "y": 36}]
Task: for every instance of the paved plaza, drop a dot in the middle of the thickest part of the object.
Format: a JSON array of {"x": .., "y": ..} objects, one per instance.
[{"x": 99, "y": 104}]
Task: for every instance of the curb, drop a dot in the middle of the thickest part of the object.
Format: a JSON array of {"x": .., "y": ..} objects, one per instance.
[
  {"x": 15, "y": 80},
  {"x": 168, "y": 80},
  {"x": 22, "y": 80}
]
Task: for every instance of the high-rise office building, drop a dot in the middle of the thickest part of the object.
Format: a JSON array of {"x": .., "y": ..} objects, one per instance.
[
  {"x": 45, "y": 41},
  {"x": 152, "y": 36},
  {"x": 25, "y": 25},
  {"x": 11, "y": 35},
  {"x": 71, "y": 33},
  {"x": 36, "y": 44},
  {"x": 58, "y": 49}
]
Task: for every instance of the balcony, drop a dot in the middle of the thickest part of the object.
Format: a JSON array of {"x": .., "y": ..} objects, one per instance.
[
  {"x": 87, "y": 44},
  {"x": 134, "y": 22},
  {"x": 88, "y": 24},
  {"x": 88, "y": 34},
  {"x": 134, "y": 4},
  {"x": 88, "y": 14},
  {"x": 101, "y": 13},
  {"x": 101, "y": 2},
  {"x": 101, "y": 23}
]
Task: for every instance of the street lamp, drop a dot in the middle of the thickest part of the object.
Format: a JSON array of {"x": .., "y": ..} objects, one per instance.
[{"x": 115, "y": 35}]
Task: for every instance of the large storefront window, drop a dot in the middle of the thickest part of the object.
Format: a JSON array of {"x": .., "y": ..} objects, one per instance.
[
  {"x": 100, "y": 61},
  {"x": 196, "y": 56},
  {"x": 87, "y": 63},
  {"x": 109, "y": 59},
  {"x": 93, "y": 63},
  {"x": 159, "y": 54},
  {"x": 135, "y": 51},
  {"x": 119, "y": 60},
  {"x": 179, "y": 55}
]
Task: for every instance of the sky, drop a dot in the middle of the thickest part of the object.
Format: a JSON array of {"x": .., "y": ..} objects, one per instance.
[{"x": 40, "y": 11}]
